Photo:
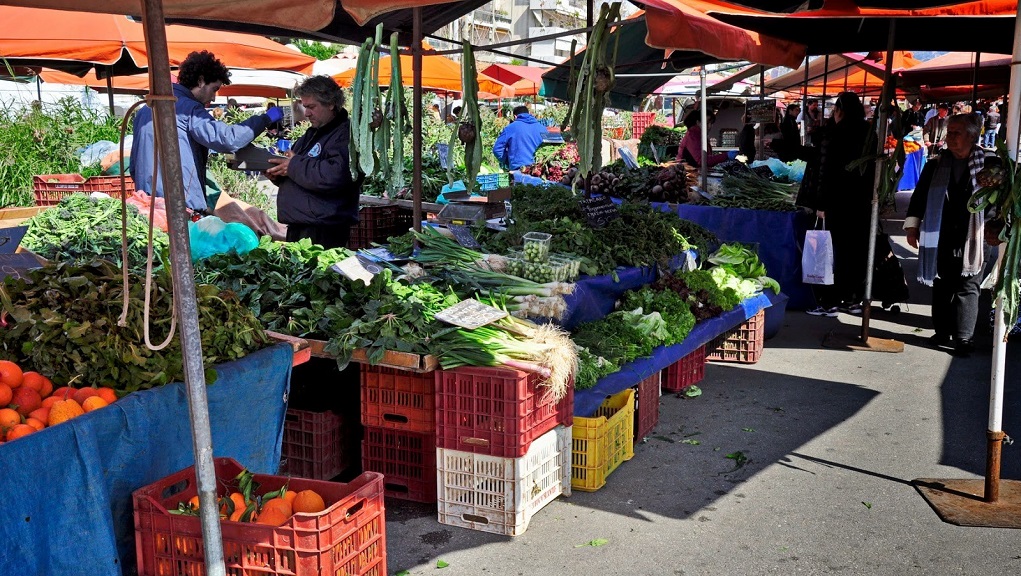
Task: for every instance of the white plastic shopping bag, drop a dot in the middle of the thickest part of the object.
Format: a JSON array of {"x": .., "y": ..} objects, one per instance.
[{"x": 817, "y": 258}]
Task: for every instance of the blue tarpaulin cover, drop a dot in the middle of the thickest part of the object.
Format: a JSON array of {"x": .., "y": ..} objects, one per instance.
[
  {"x": 586, "y": 402},
  {"x": 66, "y": 504},
  {"x": 594, "y": 296}
]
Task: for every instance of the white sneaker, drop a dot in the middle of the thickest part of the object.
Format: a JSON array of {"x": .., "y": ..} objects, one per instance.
[{"x": 820, "y": 311}]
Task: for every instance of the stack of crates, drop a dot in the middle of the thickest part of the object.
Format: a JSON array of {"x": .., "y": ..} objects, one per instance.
[
  {"x": 640, "y": 121},
  {"x": 313, "y": 445},
  {"x": 503, "y": 448},
  {"x": 348, "y": 537},
  {"x": 399, "y": 430},
  {"x": 375, "y": 224},
  {"x": 604, "y": 441},
  {"x": 742, "y": 344},
  {"x": 646, "y": 406}
]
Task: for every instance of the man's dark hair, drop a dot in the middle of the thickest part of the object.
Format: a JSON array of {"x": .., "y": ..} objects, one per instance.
[
  {"x": 520, "y": 110},
  {"x": 202, "y": 65},
  {"x": 323, "y": 89}
]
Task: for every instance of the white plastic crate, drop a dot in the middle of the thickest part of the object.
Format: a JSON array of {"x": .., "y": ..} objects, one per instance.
[{"x": 500, "y": 495}]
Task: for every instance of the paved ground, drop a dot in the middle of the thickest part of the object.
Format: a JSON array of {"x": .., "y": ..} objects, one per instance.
[{"x": 833, "y": 439}]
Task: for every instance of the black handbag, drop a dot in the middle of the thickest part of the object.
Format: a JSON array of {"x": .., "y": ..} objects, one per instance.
[{"x": 888, "y": 283}]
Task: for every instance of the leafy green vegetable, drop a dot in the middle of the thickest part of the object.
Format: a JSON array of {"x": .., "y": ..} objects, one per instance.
[
  {"x": 669, "y": 304},
  {"x": 744, "y": 264},
  {"x": 591, "y": 368},
  {"x": 593, "y": 543},
  {"x": 441, "y": 564}
]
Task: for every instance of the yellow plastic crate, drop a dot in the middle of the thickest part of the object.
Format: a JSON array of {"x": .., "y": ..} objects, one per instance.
[{"x": 599, "y": 444}]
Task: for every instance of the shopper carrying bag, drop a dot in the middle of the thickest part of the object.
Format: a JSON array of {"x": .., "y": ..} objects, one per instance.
[{"x": 817, "y": 256}]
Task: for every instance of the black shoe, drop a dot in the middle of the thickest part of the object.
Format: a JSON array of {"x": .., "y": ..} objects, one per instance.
[
  {"x": 938, "y": 340},
  {"x": 963, "y": 348}
]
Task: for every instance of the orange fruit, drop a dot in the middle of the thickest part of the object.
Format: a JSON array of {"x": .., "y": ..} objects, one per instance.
[
  {"x": 239, "y": 501},
  {"x": 92, "y": 403},
  {"x": 35, "y": 423},
  {"x": 10, "y": 373},
  {"x": 63, "y": 411},
  {"x": 19, "y": 431},
  {"x": 272, "y": 517},
  {"x": 25, "y": 400},
  {"x": 82, "y": 393},
  {"x": 49, "y": 401},
  {"x": 9, "y": 418},
  {"x": 47, "y": 388},
  {"x": 64, "y": 392},
  {"x": 194, "y": 502},
  {"x": 308, "y": 502},
  {"x": 108, "y": 394},
  {"x": 236, "y": 516},
  {"x": 33, "y": 380},
  {"x": 279, "y": 503},
  {"x": 290, "y": 495},
  {"x": 6, "y": 393},
  {"x": 40, "y": 414}
]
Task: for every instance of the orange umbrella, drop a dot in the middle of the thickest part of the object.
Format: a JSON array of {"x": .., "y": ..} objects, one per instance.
[
  {"x": 438, "y": 73},
  {"x": 524, "y": 80},
  {"x": 66, "y": 40}
]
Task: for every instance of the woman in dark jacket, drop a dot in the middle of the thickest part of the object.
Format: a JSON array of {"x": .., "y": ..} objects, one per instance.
[
  {"x": 318, "y": 198},
  {"x": 843, "y": 201}
]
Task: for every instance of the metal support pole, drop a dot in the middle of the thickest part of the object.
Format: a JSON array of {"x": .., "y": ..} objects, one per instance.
[
  {"x": 416, "y": 118},
  {"x": 760, "y": 132},
  {"x": 109, "y": 90},
  {"x": 880, "y": 119},
  {"x": 39, "y": 89},
  {"x": 703, "y": 170},
  {"x": 825, "y": 85},
  {"x": 185, "y": 304},
  {"x": 974, "y": 83},
  {"x": 804, "y": 105}
]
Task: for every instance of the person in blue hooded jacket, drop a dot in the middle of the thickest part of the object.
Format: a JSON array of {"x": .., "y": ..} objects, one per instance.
[
  {"x": 199, "y": 77},
  {"x": 517, "y": 143}
]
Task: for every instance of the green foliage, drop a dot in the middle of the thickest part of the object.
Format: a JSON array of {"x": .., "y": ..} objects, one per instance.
[
  {"x": 63, "y": 323},
  {"x": 317, "y": 49},
  {"x": 240, "y": 185},
  {"x": 46, "y": 141},
  {"x": 671, "y": 306}
]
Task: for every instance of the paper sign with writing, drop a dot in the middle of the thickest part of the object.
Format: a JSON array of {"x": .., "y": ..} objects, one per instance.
[
  {"x": 463, "y": 235},
  {"x": 470, "y": 314},
  {"x": 599, "y": 211},
  {"x": 10, "y": 238},
  {"x": 356, "y": 268},
  {"x": 17, "y": 265},
  {"x": 761, "y": 111}
]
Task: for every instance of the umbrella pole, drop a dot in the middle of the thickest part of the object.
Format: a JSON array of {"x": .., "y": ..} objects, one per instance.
[
  {"x": 185, "y": 304},
  {"x": 825, "y": 85},
  {"x": 416, "y": 118},
  {"x": 39, "y": 89},
  {"x": 974, "y": 82},
  {"x": 989, "y": 503},
  {"x": 703, "y": 170},
  {"x": 804, "y": 105},
  {"x": 109, "y": 90}
]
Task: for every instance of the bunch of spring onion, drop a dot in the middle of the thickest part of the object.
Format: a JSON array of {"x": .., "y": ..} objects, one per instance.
[
  {"x": 531, "y": 306},
  {"x": 545, "y": 350},
  {"x": 437, "y": 248}
]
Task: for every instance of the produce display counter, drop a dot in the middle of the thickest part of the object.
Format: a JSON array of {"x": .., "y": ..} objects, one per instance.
[
  {"x": 595, "y": 296},
  {"x": 67, "y": 505},
  {"x": 913, "y": 164},
  {"x": 778, "y": 235},
  {"x": 586, "y": 402}
]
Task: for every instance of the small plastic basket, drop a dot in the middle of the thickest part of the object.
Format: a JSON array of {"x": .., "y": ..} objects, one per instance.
[
  {"x": 500, "y": 495},
  {"x": 536, "y": 246},
  {"x": 496, "y": 411},
  {"x": 646, "y": 406},
  {"x": 407, "y": 461},
  {"x": 398, "y": 399},
  {"x": 50, "y": 189},
  {"x": 349, "y": 537},
  {"x": 685, "y": 372},
  {"x": 742, "y": 344},
  {"x": 487, "y": 182},
  {"x": 601, "y": 443},
  {"x": 313, "y": 445}
]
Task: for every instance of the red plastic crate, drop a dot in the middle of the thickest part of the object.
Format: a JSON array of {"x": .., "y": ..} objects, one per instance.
[
  {"x": 646, "y": 406},
  {"x": 348, "y": 538},
  {"x": 50, "y": 189},
  {"x": 398, "y": 399},
  {"x": 640, "y": 121},
  {"x": 742, "y": 344},
  {"x": 407, "y": 461},
  {"x": 313, "y": 445},
  {"x": 495, "y": 411},
  {"x": 375, "y": 224},
  {"x": 685, "y": 372}
]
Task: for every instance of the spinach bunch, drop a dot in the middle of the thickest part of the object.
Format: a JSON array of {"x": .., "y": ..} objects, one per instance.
[{"x": 63, "y": 323}]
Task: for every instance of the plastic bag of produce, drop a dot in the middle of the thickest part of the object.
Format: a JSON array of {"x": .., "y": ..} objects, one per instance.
[
  {"x": 211, "y": 235},
  {"x": 817, "y": 258}
]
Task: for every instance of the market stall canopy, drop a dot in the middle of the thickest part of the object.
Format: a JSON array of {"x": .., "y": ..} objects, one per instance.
[
  {"x": 438, "y": 73},
  {"x": 77, "y": 41},
  {"x": 859, "y": 74},
  {"x": 260, "y": 83},
  {"x": 524, "y": 80},
  {"x": 957, "y": 69},
  {"x": 844, "y": 26},
  {"x": 673, "y": 24}
]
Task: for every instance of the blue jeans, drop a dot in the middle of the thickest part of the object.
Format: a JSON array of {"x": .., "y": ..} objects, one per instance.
[{"x": 989, "y": 138}]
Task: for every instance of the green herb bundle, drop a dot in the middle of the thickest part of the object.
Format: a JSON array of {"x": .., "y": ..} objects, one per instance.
[{"x": 64, "y": 324}]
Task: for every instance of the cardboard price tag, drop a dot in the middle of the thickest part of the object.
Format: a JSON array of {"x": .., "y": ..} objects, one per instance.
[
  {"x": 470, "y": 314},
  {"x": 464, "y": 237},
  {"x": 355, "y": 268},
  {"x": 599, "y": 211}
]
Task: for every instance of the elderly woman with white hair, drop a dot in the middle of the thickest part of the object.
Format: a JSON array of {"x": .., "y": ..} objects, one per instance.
[{"x": 948, "y": 236}]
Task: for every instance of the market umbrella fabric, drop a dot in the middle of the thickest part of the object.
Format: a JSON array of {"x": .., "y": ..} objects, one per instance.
[
  {"x": 957, "y": 68},
  {"x": 859, "y": 74},
  {"x": 75, "y": 41},
  {"x": 524, "y": 80},
  {"x": 438, "y": 73}
]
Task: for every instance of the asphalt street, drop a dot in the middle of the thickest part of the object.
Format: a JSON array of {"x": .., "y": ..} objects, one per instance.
[{"x": 832, "y": 441}]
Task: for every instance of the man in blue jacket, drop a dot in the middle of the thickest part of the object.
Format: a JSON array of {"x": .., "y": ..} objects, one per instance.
[
  {"x": 318, "y": 196},
  {"x": 516, "y": 145},
  {"x": 198, "y": 79}
]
